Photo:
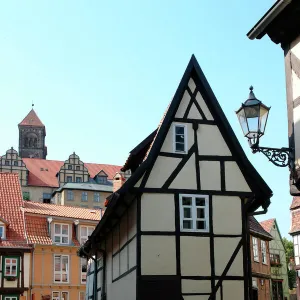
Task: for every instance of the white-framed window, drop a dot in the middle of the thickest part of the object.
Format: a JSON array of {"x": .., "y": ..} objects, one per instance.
[
  {"x": 85, "y": 232},
  {"x": 83, "y": 270},
  {"x": 194, "y": 213},
  {"x": 2, "y": 231},
  {"x": 296, "y": 249},
  {"x": 255, "y": 249},
  {"x": 60, "y": 295},
  {"x": 81, "y": 296},
  {"x": 70, "y": 195},
  {"x": 180, "y": 138},
  {"x": 61, "y": 233},
  {"x": 10, "y": 298},
  {"x": 61, "y": 268},
  {"x": 11, "y": 266},
  {"x": 263, "y": 246},
  {"x": 96, "y": 197},
  {"x": 84, "y": 196}
]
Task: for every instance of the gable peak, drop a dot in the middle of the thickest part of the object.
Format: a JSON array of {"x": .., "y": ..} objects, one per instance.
[{"x": 32, "y": 119}]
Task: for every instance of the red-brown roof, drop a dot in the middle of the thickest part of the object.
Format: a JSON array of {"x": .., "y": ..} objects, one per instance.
[
  {"x": 295, "y": 203},
  {"x": 43, "y": 172},
  {"x": 62, "y": 211},
  {"x": 11, "y": 203},
  {"x": 32, "y": 120},
  {"x": 295, "y": 214},
  {"x": 267, "y": 225},
  {"x": 256, "y": 228}
]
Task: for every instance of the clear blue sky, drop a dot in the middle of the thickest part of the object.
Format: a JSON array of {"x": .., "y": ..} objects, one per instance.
[{"x": 101, "y": 74}]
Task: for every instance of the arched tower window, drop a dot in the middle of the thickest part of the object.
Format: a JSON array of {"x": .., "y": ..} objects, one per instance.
[{"x": 26, "y": 142}]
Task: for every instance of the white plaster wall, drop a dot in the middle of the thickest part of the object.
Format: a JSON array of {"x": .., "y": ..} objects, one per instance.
[
  {"x": 194, "y": 113},
  {"x": 157, "y": 212},
  {"x": 183, "y": 105},
  {"x": 132, "y": 220},
  {"x": 296, "y": 113},
  {"x": 195, "y": 256},
  {"x": 192, "y": 85},
  {"x": 204, "y": 107},
  {"x": 227, "y": 215},
  {"x": 195, "y": 286},
  {"x": 211, "y": 142},
  {"x": 158, "y": 255},
  {"x": 161, "y": 171},
  {"x": 196, "y": 297},
  {"x": 234, "y": 179},
  {"x": 210, "y": 175},
  {"x": 233, "y": 289},
  {"x": 109, "y": 258},
  {"x": 186, "y": 178},
  {"x": 123, "y": 289},
  {"x": 27, "y": 258}
]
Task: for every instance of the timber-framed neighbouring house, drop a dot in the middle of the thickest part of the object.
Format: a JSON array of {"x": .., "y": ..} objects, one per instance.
[{"x": 178, "y": 227}]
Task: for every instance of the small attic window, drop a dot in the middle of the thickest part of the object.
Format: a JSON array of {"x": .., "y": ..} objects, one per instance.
[
  {"x": 180, "y": 138},
  {"x": 42, "y": 169},
  {"x": 102, "y": 179},
  {"x": 77, "y": 168},
  {"x": 69, "y": 167},
  {"x": 2, "y": 231},
  {"x": 274, "y": 226}
]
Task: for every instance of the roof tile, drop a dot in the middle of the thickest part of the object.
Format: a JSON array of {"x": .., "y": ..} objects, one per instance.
[
  {"x": 267, "y": 225},
  {"x": 32, "y": 120},
  {"x": 295, "y": 202},
  {"x": 255, "y": 227}
]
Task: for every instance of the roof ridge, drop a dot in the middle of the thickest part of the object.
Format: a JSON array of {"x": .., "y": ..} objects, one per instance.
[{"x": 57, "y": 205}]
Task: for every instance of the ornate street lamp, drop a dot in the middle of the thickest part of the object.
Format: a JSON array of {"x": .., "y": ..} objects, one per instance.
[{"x": 253, "y": 117}]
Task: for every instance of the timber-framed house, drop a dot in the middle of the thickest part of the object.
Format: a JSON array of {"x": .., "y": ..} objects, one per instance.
[{"x": 177, "y": 228}]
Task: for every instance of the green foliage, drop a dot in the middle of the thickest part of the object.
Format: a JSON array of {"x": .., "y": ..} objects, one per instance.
[{"x": 289, "y": 252}]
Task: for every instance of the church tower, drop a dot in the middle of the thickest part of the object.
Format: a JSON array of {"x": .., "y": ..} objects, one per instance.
[{"x": 32, "y": 133}]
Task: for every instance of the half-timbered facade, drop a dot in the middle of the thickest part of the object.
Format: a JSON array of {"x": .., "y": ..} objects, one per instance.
[
  {"x": 15, "y": 252},
  {"x": 177, "y": 228}
]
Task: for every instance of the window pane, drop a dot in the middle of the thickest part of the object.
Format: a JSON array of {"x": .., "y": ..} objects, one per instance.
[
  {"x": 91, "y": 229},
  {"x": 7, "y": 269},
  {"x": 179, "y": 147},
  {"x": 179, "y": 138},
  {"x": 64, "y": 277},
  {"x": 186, "y": 201},
  {"x": 65, "y": 262},
  {"x": 200, "y": 213},
  {"x": 56, "y": 228},
  {"x": 57, "y": 263},
  {"x": 57, "y": 277},
  {"x": 187, "y": 212},
  {"x": 179, "y": 130},
  {"x": 200, "y": 202},
  {"x": 84, "y": 230},
  {"x": 187, "y": 224},
  {"x": 57, "y": 239},
  {"x": 200, "y": 224},
  {"x": 14, "y": 270},
  {"x": 65, "y": 229},
  {"x": 65, "y": 240}
]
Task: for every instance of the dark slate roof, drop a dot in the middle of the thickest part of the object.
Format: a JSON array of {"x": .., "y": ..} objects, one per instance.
[{"x": 256, "y": 229}]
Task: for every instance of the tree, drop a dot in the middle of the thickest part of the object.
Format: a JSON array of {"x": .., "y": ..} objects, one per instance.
[{"x": 289, "y": 253}]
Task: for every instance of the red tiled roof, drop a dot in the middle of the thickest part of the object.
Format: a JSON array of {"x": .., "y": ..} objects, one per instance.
[
  {"x": 37, "y": 177},
  {"x": 295, "y": 202},
  {"x": 32, "y": 120},
  {"x": 267, "y": 225},
  {"x": 62, "y": 211},
  {"x": 256, "y": 228},
  {"x": 295, "y": 221},
  {"x": 11, "y": 202}
]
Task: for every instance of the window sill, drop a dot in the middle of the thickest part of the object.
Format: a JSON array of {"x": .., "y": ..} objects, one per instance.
[
  {"x": 256, "y": 261},
  {"x": 195, "y": 230}
]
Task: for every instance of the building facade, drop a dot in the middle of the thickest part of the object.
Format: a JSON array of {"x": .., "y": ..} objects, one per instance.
[
  {"x": 56, "y": 233},
  {"x": 279, "y": 268},
  {"x": 15, "y": 252},
  {"x": 260, "y": 261},
  {"x": 178, "y": 227}
]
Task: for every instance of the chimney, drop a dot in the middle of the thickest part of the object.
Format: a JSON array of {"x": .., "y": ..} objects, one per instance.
[{"x": 118, "y": 181}]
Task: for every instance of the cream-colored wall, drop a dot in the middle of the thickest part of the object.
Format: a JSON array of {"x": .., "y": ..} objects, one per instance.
[
  {"x": 158, "y": 255},
  {"x": 160, "y": 206},
  {"x": 234, "y": 179},
  {"x": 189, "y": 286},
  {"x": 27, "y": 269},
  {"x": 211, "y": 175},
  {"x": 233, "y": 289},
  {"x": 77, "y": 198},
  {"x": 123, "y": 289},
  {"x": 192, "y": 262},
  {"x": 227, "y": 206},
  {"x": 36, "y": 192}
]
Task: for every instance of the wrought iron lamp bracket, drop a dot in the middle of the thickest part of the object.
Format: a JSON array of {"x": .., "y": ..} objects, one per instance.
[{"x": 280, "y": 157}]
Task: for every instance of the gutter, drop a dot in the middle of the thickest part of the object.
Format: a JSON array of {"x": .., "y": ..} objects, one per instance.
[{"x": 270, "y": 15}]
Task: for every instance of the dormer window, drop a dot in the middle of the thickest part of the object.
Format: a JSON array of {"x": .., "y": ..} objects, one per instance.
[
  {"x": 2, "y": 231},
  {"x": 61, "y": 233},
  {"x": 180, "y": 138},
  {"x": 102, "y": 179},
  {"x": 7, "y": 162},
  {"x": 85, "y": 232},
  {"x": 69, "y": 167}
]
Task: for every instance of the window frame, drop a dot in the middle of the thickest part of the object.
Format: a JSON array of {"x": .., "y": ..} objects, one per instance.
[
  {"x": 185, "y": 137},
  {"x": 2, "y": 236},
  {"x": 255, "y": 249},
  {"x": 84, "y": 199},
  {"x": 194, "y": 217},
  {"x": 82, "y": 273},
  {"x": 78, "y": 179},
  {"x": 98, "y": 194},
  {"x": 263, "y": 249},
  {"x": 4, "y": 258},
  {"x": 61, "y": 272},
  {"x": 69, "y": 192},
  {"x": 10, "y": 297},
  {"x": 81, "y": 293},
  {"x": 68, "y": 177},
  {"x": 61, "y": 235},
  {"x": 87, "y": 232},
  {"x": 70, "y": 167}
]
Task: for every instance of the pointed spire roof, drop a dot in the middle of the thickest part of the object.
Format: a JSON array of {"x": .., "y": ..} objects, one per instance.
[{"x": 32, "y": 120}]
